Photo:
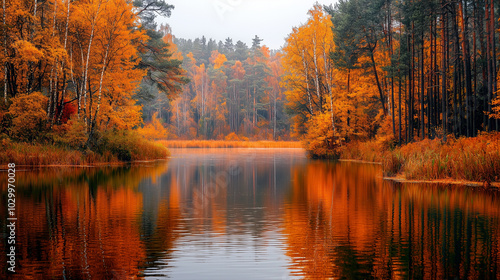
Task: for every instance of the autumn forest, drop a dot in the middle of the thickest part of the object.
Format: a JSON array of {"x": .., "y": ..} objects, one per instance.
[
  {"x": 365, "y": 146},
  {"x": 104, "y": 79}
]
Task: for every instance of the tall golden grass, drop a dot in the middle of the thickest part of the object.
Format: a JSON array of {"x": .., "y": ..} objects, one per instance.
[
  {"x": 28, "y": 154},
  {"x": 116, "y": 149},
  {"x": 228, "y": 144},
  {"x": 474, "y": 159}
]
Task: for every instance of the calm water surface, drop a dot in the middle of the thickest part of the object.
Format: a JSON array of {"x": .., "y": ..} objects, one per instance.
[{"x": 247, "y": 214}]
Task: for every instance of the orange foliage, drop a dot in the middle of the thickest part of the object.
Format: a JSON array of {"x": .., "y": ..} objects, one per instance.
[
  {"x": 154, "y": 130},
  {"x": 73, "y": 133},
  {"x": 496, "y": 107},
  {"x": 316, "y": 92},
  {"x": 29, "y": 112}
]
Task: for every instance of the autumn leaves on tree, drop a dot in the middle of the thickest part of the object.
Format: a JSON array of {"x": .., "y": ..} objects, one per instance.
[
  {"x": 401, "y": 71},
  {"x": 79, "y": 64}
]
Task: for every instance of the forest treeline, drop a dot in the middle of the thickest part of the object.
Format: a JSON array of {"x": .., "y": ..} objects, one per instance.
[
  {"x": 404, "y": 70},
  {"x": 102, "y": 75},
  {"x": 235, "y": 92}
]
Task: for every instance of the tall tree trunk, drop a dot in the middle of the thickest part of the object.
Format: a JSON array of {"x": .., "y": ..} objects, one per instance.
[
  {"x": 391, "y": 52},
  {"x": 422, "y": 86},
  {"x": 399, "y": 84},
  {"x": 493, "y": 59},
  {"x": 254, "y": 117},
  {"x": 411, "y": 91},
  {"x": 431, "y": 82},
  {"x": 32, "y": 31},
  {"x": 85, "y": 76},
  {"x": 489, "y": 59},
  {"x": 53, "y": 82},
  {"x": 329, "y": 86},
  {"x": 306, "y": 72},
  {"x": 380, "y": 91},
  {"x": 456, "y": 73},
  {"x": 474, "y": 70},
  {"x": 467, "y": 65},
  {"x": 316, "y": 74},
  {"x": 99, "y": 94},
  {"x": 444, "y": 44},
  {"x": 274, "y": 118},
  {"x": 61, "y": 104},
  {"x": 5, "y": 53}
]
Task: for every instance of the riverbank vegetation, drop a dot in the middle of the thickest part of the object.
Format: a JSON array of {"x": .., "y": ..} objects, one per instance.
[
  {"x": 475, "y": 159},
  {"x": 112, "y": 148}
]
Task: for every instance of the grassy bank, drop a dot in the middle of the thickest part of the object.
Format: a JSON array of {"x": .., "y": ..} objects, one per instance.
[
  {"x": 116, "y": 148},
  {"x": 229, "y": 144},
  {"x": 474, "y": 159}
]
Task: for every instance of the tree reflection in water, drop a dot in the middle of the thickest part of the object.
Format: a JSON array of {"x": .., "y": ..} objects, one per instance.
[{"x": 271, "y": 214}]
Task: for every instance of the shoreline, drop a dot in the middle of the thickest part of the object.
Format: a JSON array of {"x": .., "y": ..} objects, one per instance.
[
  {"x": 473, "y": 161},
  {"x": 360, "y": 161},
  {"x": 447, "y": 181},
  {"x": 3, "y": 167}
]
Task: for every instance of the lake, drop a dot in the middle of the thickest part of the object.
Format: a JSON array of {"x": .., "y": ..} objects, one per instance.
[{"x": 247, "y": 214}]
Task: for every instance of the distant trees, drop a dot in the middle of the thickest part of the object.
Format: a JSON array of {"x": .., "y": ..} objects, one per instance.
[{"x": 235, "y": 90}]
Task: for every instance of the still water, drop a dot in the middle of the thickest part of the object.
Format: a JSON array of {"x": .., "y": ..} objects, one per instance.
[{"x": 247, "y": 214}]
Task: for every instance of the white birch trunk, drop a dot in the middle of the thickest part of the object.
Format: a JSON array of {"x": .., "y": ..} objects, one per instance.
[
  {"x": 85, "y": 76},
  {"x": 306, "y": 72}
]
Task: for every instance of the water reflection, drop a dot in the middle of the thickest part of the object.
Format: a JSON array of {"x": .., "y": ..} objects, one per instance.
[
  {"x": 250, "y": 214},
  {"x": 79, "y": 223},
  {"x": 345, "y": 221}
]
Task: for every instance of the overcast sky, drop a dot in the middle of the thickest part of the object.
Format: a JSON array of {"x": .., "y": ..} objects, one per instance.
[{"x": 271, "y": 20}]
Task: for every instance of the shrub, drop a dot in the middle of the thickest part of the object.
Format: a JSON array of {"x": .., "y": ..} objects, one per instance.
[
  {"x": 128, "y": 145},
  {"x": 154, "y": 130},
  {"x": 29, "y": 116},
  {"x": 319, "y": 141},
  {"x": 71, "y": 134}
]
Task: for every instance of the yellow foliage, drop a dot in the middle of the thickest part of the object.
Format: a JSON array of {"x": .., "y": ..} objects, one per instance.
[
  {"x": 29, "y": 115},
  {"x": 496, "y": 107},
  {"x": 26, "y": 51},
  {"x": 217, "y": 59},
  {"x": 319, "y": 140},
  {"x": 232, "y": 137},
  {"x": 74, "y": 133},
  {"x": 154, "y": 130}
]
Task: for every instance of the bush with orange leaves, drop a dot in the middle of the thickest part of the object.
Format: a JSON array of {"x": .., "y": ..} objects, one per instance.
[
  {"x": 154, "y": 130},
  {"x": 320, "y": 141},
  {"x": 28, "y": 116}
]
